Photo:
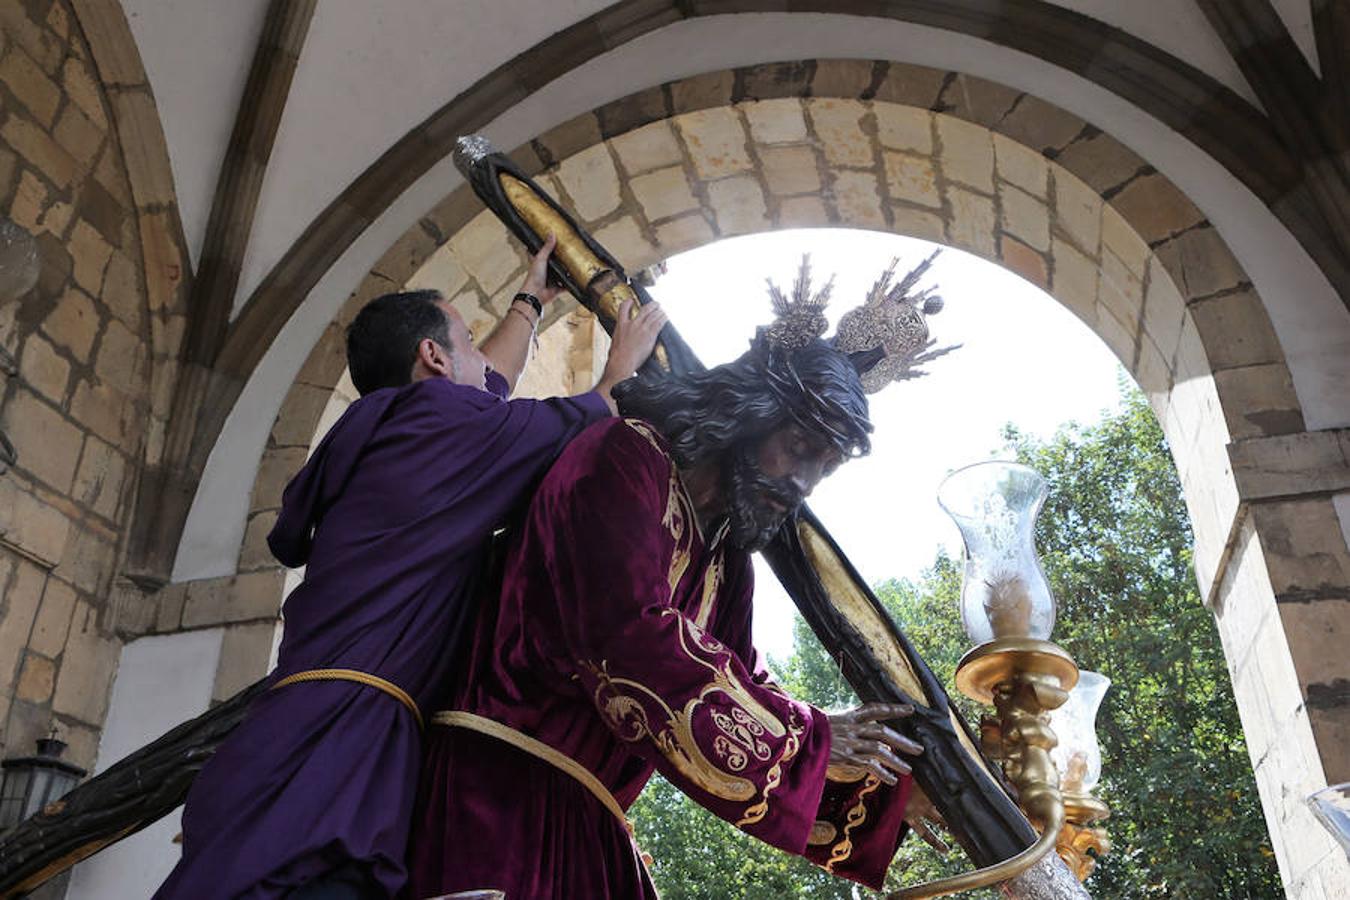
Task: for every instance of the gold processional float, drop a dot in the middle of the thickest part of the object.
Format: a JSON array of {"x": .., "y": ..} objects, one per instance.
[{"x": 1007, "y": 610}]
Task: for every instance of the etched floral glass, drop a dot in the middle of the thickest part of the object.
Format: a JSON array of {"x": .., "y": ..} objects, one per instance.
[
  {"x": 1078, "y": 756},
  {"x": 1331, "y": 805},
  {"x": 1004, "y": 594}
]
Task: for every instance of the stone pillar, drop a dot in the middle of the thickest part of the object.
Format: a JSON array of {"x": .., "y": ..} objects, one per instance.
[{"x": 1282, "y": 601}]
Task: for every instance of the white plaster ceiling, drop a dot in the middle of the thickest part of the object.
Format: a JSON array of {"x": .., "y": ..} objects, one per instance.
[
  {"x": 1308, "y": 316},
  {"x": 196, "y": 54},
  {"x": 372, "y": 70}
]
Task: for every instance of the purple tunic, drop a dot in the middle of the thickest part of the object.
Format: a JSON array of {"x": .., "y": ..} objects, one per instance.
[{"x": 391, "y": 516}]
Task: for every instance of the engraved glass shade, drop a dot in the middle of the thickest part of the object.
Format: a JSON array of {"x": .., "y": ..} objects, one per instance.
[
  {"x": 18, "y": 261},
  {"x": 1078, "y": 756},
  {"x": 1004, "y": 593},
  {"x": 1331, "y": 805}
]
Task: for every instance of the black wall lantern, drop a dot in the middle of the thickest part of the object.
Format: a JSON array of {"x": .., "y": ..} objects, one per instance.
[{"x": 31, "y": 782}]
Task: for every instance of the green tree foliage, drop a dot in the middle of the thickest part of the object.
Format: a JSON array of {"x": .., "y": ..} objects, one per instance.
[{"x": 1115, "y": 542}]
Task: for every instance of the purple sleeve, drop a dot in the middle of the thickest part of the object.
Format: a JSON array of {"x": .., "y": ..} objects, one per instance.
[{"x": 496, "y": 384}]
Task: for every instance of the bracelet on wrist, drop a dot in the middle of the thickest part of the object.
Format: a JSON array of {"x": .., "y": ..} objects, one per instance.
[
  {"x": 534, "y": 322},
  {"x": 532, "y": 300}
]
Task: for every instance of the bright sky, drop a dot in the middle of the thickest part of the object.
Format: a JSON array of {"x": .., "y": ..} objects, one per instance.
[{"x": 1025, "y": 359}]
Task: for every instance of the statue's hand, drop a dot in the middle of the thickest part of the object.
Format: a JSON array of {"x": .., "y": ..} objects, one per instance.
[
  {"x": 922, "y": 816},
  {"x": 860, "y": 741}
]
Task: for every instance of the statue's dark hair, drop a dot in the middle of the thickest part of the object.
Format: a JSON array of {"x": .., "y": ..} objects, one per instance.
[
  {"x": 382, "y": 340},
  {"x": 704, "y": 414}
]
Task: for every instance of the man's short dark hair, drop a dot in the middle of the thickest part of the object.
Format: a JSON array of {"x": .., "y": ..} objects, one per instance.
[{"x": 382, "y": 340}]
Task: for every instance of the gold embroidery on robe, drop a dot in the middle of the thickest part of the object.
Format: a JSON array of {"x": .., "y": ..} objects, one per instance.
[
  {"x": 822, "y": 832},
  {"x": 856, "y": 816}
]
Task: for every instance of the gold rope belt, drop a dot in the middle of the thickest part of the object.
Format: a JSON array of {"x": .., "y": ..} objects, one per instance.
[
  {"x": 537, "y": 749},
  {"x": 365, "y": 678}
]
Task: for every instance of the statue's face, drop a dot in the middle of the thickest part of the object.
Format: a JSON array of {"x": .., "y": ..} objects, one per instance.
[{"x": 769, "y": 480}]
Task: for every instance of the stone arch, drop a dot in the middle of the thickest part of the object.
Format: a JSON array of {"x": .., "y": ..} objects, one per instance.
[{"x": 1008, "y": 177}]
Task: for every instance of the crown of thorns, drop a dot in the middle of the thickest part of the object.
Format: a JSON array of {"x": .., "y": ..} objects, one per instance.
[{"x": 886, "y": 339}]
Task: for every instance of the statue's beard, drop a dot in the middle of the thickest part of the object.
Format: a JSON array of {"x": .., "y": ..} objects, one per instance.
[{"x": 752, "y": 516}]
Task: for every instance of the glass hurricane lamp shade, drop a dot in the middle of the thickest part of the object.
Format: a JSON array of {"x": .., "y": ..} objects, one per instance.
[
  {"x": 19, "y": 265},
  {"x": 1004, "y": 593},
  {"x": 1331, "y": 806},
  {"x": 1078, "y": 755},
  {"x": 31, "y": 782}
]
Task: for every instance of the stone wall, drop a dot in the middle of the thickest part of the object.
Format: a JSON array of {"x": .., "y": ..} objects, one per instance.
[{"x": 76, "y": 410}]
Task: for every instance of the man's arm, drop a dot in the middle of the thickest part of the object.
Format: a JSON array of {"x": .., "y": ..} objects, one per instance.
[{"x": 507, "y": 348}]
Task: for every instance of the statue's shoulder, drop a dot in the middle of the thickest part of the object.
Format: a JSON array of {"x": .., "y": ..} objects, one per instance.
[{"x": 625, "y": 440}]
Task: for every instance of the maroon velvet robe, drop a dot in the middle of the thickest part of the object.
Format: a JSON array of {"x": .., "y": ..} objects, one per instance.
[{"x": 622, "y": 640}]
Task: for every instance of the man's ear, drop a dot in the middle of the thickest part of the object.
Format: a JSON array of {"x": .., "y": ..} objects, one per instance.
[{"x": 432, "y": 359}]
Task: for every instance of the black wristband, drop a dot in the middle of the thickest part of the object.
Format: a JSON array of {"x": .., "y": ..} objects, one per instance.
[{"x": 530, "y": 299}]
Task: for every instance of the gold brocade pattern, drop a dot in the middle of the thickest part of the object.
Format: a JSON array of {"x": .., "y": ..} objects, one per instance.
[
  {"x": 741, "y": 723},
  {"x": 856, "y": 816}
]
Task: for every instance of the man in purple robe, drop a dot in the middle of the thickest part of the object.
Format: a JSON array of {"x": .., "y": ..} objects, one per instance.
[
  {"x": 622, "y": 645},
  {"x": 311, "y": 796}
]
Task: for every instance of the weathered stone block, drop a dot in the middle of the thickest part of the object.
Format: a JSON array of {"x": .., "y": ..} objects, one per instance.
[
  {"x": 684, "y": 233},
  {"x": 43, "y": 369},
  {"x": 971, "y": 226},
  {"x": 911, "y": 85},
  {"x": 1155, "y": 208},
  {"x": 53, "y": 618},
  {"x": 590, "y": 179},
  {"x": 1025, "y": 261},
  {"x": 73, "y": 323},
  {"x": 171, "y": 598},
  {"x": 857, "y": 198},
  {"x": 838, "y": 128},
  {"x": 716, "y": 141},
  {"x": 30, "y": 85},
  {"x": 243, "y": 598},
  {"x": 1236, "y": 331},
  {"x": 738, "y": 203},
  {"x": 1077, "y": 210},
  {"x": 627, "y": 242},
  {"x": 1024, "y": 217},
  {"x": 163, "y": 262},
  {"x": 966, "y": 153},
  {"x": 32, "y": 524},
  {"x": 912, "y": 179},
  {"x": 1304, "y": 548},
  {"x": 790, "y": 170},
  {"x": 20, "y": 606},
  {"x": 37, "y": 677},
  {"x": 1039, "y": 125},
  {"x": 83, "y": 90},
  {"x": 121, "y": 359},
  {"x": 1259, "y": 400},
  {"x": 775, "y": 121},
  {"x": 483, "y": 248},
  {"x": 1306, "y": 463},
  {"x": 245, "y": 651},
  {"x": 904, "y": 128},
  {"x": 841, "y": 78},
  {"x": 1120, "y": 239},
  {"x": 979, "y": 101},
  {"x": 803, "y": 212},
  {"x": 649, "y": 147},
  {"x": 30, "y": 202},
  {"x": 122, "y": 291},
  {"x": 712, "y": 90},
  {"x": 89, "y": 558},
  {"x": 87, "y": 668},
  {"x": 927, "y": 226},
  {"x": 663, "y": 193},
  {"x": 1317, "y": 631},
  {"x": 634, "y": 111},
  {"x": 1117, "y": 335},
  {"x": 1120, "y": 291},
  {"x": 278, "y": 467},
  {"x": 42, "y": 153},
  {"x": 79, "y": 135},
  {"x": 107, "y": 412},
  {"x": 1153, "y": 369},
  {"x": 775, "y": 80},
  {"x": 1207, "y": 266},
  {"x": 98, "y": 484},
  {"x": 1101, "y": 161},
  {"x": 1017, "y": 165},
  {"x": 299, "y": 414},
  {"x": 38, "y": 42},
  {"x": 47, "y": 443},
  {"x": 90, "y": 253}
]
